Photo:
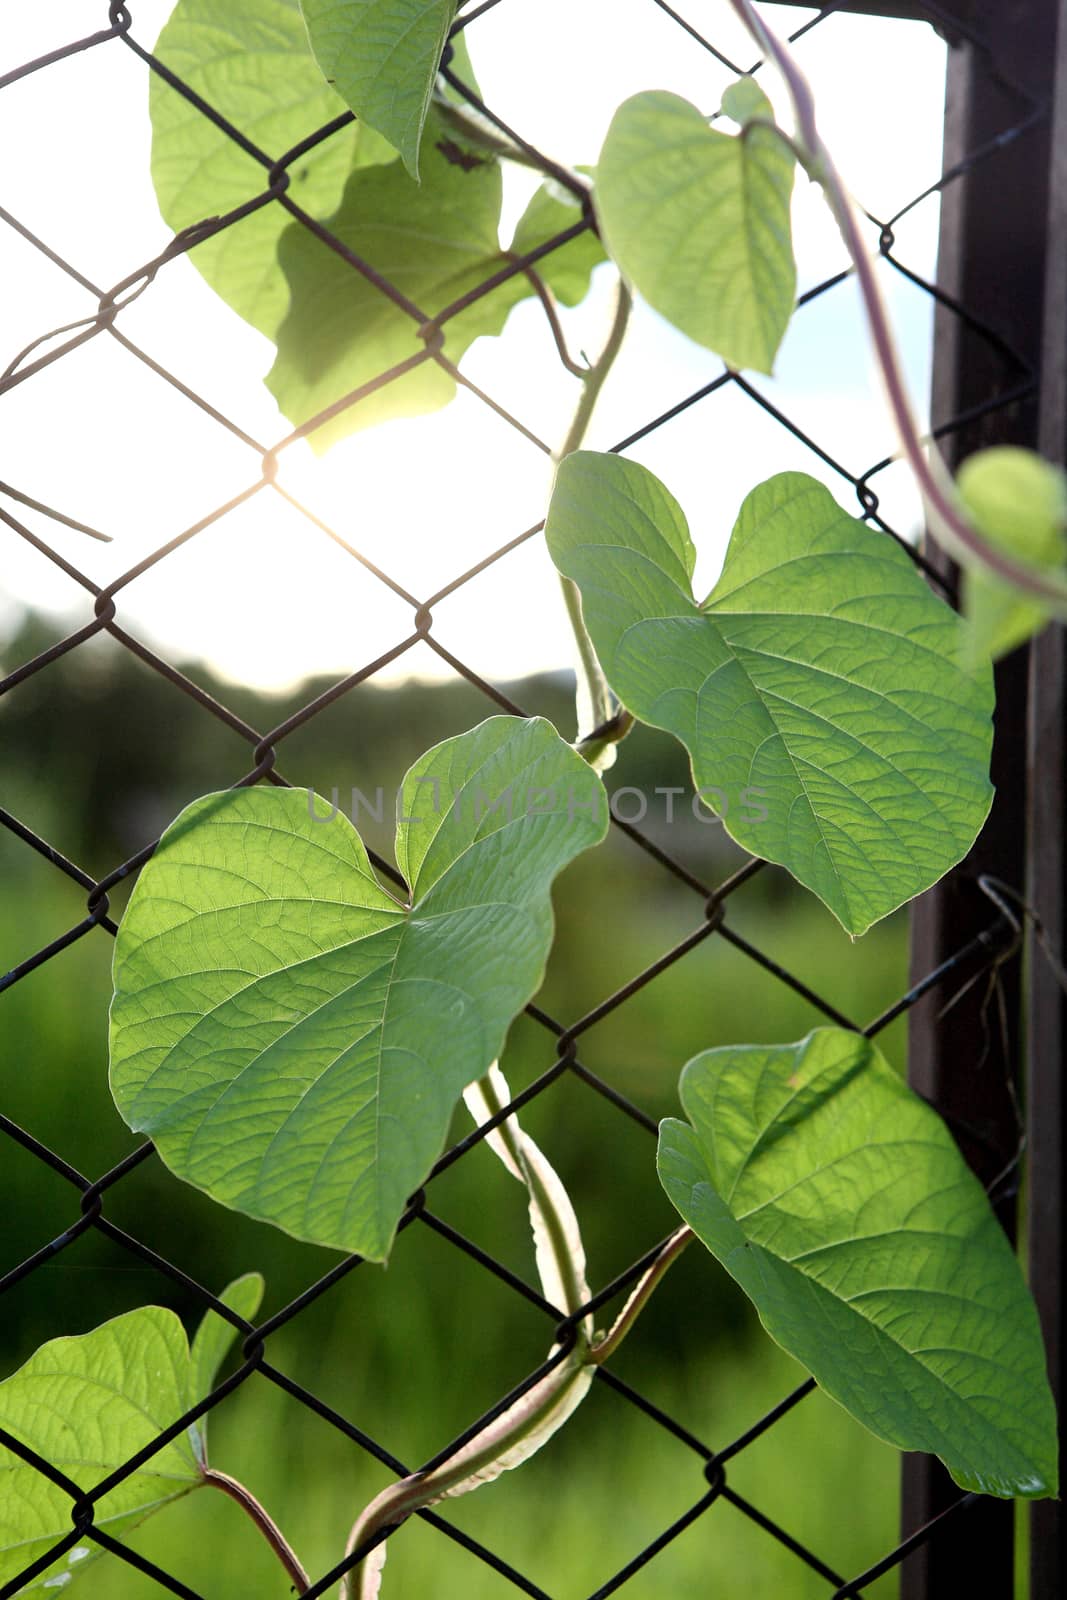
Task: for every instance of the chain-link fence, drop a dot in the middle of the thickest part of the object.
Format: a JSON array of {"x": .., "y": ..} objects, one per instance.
[{"x": 972, "y": 950}]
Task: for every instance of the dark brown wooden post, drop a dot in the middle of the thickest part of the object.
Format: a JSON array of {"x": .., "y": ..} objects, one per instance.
[
  {"x": 1047, "y": 889},
  {"x": 995, "y": 256},
  {"x": 1003, "y": 256}
]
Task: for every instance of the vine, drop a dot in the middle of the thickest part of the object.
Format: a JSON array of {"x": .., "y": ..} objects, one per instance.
[{"x": 294, "y": 1035}]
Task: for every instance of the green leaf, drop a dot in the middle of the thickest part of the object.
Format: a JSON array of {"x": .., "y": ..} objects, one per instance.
[
  {"x": 295, "y": 1039},
  {"x": 433, "y": 242},
  {"x": 383, "y": 57},
  {"x": 839, "y": 1202},
  {"x": 817, "y": 689},
  {"x": 699, "y": 222},
  {"x": 211, "y": 1345},
  {"x": 745, "y": 100},
  {"x": 567, "y": 270},
  {"x": 1019, "y": 502},
  {"x": 88, "y": 1404},
  {"x": 249, "y": 59}
]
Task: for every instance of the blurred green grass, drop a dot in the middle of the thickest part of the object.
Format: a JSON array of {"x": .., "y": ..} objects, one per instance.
[{"x": 415, "y": 1352}]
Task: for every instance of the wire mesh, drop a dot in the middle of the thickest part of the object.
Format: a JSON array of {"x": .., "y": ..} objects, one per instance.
[{"x": 712, "y": 903}]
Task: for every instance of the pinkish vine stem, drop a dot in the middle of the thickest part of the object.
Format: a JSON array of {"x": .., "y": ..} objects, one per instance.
[{"x": 948, "y": 523}]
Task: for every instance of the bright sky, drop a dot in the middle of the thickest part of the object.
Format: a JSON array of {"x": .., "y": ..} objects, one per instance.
[{"x": 263, "y": 596}]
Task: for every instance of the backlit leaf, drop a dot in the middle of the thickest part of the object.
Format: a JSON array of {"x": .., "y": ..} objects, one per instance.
[
  {"x": 292, "y": 1035},
  {"x": 840, "y": 1203},
  {"x": 745, "y": 100},
  {"x": 382, "y": 56},
  {"x": 1019, "y": 502},
  {"x": 567, "y": 269},
  {"x": 86, "y": 1405},
  {"x": 249, "y": 59},
  {"x": 818, "y": 688},
  {"x": 212, "y": 1342},
  {"x": 433, "y": 242},
  {"x": 698, "y": 220}
]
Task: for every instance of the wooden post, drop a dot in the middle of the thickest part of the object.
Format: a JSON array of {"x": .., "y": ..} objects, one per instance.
[{"x": 994, "y": 259}]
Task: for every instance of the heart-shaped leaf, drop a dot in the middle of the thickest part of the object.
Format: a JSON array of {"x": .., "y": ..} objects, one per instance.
[
  {"x": 1019, "y": 502},
  {"x": 839, "y": 1202},
  {"x": 568, "y": 268},
  {"x": 745, "y": 102},
  {"x": 211, "y": 1345},
  {"x": 87, "y": 1405},
  {"x": 250, "y": 61},
  {"x": 818, "y": 689},
  {"x": 292, "y": 1036},
  {"x": 699, "y": 222},
  {"x": 433, "y": 241},
  {"x": 382, "y": 56}
]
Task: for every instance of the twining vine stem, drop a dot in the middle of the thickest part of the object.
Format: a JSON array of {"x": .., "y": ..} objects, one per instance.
[
  {"x": 950, "y": 526},
  {"x": 569, "y": 1273},
  {"x": 412, "y": 1494},
  {"x": 468, "y": 123},
  {"x": 595, "y": 696},
  {"x": 547, "y": 1404},
  {"x": 595, "y": 700}
]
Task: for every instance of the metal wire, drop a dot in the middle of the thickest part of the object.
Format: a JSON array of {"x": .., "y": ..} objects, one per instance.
[{"x": 713, "y": 905}]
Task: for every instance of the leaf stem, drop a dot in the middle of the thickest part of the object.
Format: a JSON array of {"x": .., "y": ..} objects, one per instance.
[
  {"x": 468, "y": 123},
  {"x": 597, "y": 709},
  {"x": 594, "y": 379},
  {"x": 264, "y": 1522},
  {"x": 948, "y": 521},
  {"x": 608, "y": 1343},
  {"x": 596, "y": 702}
]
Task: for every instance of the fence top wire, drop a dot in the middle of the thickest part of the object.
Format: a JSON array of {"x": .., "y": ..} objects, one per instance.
[{"x": 713, "y": 904}]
